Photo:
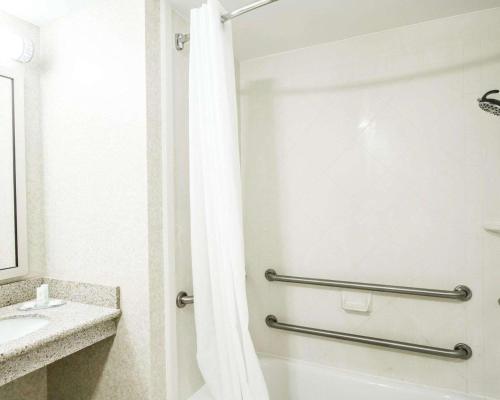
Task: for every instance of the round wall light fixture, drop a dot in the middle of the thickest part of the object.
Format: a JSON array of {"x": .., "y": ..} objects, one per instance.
[
  {"x": 16, "y": 47},
  {"x": 21, "y": 49}
]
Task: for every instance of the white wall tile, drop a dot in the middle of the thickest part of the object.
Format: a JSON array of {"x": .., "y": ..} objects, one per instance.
[{"x": 368, "y": 159}]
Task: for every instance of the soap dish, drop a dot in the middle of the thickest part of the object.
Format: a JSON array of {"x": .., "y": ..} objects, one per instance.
[{"x": 33, "y": 306}]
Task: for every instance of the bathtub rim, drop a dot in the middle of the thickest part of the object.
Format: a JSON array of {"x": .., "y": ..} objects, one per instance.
[{"x": 372, "y": 379}]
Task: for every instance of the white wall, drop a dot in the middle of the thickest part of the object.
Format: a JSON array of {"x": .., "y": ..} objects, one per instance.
[
  {"x": 189, "y": 379},
  {"x": 101, "y": 129},
  {"x": 369, "y": 160}
]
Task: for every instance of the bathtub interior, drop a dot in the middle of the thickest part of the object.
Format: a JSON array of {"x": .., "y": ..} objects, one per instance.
[{"x": 289, "y": 379}]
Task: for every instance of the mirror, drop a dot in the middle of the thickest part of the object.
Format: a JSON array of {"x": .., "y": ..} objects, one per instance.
[
  {"x": 8, "y": 246},
  {"x": 13, "y": 257}
]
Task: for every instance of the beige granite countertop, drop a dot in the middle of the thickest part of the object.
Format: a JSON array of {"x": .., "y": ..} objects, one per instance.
[
  {"x": 64, "y": 321},
  {"x": 89, "y": 316}
]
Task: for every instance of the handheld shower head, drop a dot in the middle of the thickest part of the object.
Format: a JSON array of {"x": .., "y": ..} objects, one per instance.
[{"x": 490, "y": 105}]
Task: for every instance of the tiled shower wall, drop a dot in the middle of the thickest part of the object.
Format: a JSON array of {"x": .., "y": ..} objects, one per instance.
[{"x": 369, "y": 160}]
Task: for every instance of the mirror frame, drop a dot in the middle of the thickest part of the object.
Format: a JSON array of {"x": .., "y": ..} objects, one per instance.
[{"x": 17, "y": 77}]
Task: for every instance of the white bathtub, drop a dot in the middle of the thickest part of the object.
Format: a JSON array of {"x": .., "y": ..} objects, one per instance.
[{"x": 296, "y": 380}]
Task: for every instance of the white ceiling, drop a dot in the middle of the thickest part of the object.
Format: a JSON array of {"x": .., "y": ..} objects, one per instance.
[
  {"x": 41, "y": 12},
  {"x": 291, "y": 24},
  {"x": 286, "y": 24}
]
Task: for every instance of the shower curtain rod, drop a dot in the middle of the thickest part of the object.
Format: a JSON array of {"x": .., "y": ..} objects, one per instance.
[
  {"x": 182, "y": 38},
  {"x": 244, "y": 10}
]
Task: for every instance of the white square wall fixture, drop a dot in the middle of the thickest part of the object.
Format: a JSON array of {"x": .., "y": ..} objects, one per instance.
[{"x": 356, "y": 301}]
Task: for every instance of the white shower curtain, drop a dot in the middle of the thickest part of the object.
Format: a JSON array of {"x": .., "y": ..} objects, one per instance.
[{"x": 225, "y": 352}]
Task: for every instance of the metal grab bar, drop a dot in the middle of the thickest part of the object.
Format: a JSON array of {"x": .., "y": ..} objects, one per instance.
[
  {"x": 461, "y": 292},
  {"x": 182, "y": 299},
  {"x": 460, "y": 351}
]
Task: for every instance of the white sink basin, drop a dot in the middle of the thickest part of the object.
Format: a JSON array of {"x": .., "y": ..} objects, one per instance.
[{"x": 18, "y": 326}]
